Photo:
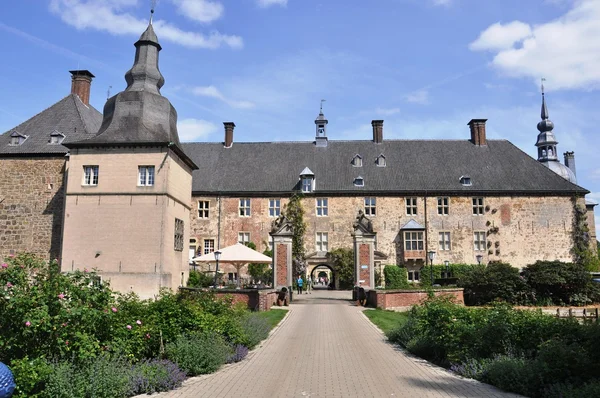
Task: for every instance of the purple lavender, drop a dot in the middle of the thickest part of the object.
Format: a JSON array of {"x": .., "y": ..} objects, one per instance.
[{"x": 239, "y": 352}]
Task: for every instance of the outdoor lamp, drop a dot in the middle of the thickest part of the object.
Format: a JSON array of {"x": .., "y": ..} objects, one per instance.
[
  {"x": 479, "y": 258},
  {"x": 217, "y": 258},
  {"x": 447, "y": 264},
  {"x": 431, "y": 255}
]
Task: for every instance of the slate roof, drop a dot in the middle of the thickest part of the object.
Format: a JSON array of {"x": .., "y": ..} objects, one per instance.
[
  {"x": 68, "y": 116},
  {"x": 413, "y": 166}
]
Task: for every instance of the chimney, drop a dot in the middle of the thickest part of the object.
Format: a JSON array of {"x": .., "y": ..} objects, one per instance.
[
  {"x": 570, "y": 161},
  {"x": 377, "y": 131},
  {"x": 478, "y": 131},
  {"x": 229, "y": 126},
  {"x": 81, "y": 82}
]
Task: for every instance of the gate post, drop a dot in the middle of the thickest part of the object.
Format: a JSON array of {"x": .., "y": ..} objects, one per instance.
[
  {"x": 364, "y": 248},
  {"x": 282, "y": 232}
]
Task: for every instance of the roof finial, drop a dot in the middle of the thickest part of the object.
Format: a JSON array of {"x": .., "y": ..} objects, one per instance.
[
  {"x": 152, "y": 10},
  {"x": 544, "y": 108},
  {"x": 321, "y": 110},
  {"x": 543, "y": 80}
]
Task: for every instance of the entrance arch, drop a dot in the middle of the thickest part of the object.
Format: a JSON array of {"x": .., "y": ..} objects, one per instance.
[{"x": 330, "y": 275}]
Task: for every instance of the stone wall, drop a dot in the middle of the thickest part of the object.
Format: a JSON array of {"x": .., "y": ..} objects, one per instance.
[
  {"x": 390, "y": 299},
  {"x": 519, "y": 230},
  {"x": 31, "y": 205},
  {"x": 255, "y": 300}
]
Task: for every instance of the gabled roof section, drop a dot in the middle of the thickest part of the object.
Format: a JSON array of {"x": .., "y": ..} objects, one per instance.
[
  {"x": 412, "y": 224},
  {"x": 415, "y": 167},
  {"x": 307, "y": 172},
  {"x": 68, "y": 116}
]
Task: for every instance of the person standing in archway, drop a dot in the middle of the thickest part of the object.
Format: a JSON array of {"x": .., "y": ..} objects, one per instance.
[
  {"x": 309, "y": 285},
  {"x": 299, "y": 282}
]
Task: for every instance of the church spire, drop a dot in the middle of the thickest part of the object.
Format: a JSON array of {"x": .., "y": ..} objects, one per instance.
[
  {"x": 144, "y": 75},
  {"x": 546, "y": 141}
]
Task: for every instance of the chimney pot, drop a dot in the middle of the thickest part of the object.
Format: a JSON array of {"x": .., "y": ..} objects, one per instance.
[
  {"x": 570, "y": 161},
  {"x": 478, "y": 136},
  {"x": 229, "y": 126},
  {"x": 377, "y": 131},
  {"x": 81, "y": 82}
]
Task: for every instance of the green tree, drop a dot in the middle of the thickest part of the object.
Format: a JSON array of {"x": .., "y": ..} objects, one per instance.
[
  {"x": 294, "y": 212},
  {"x": 343, "y": 262},
  {"x": 395, "y": 277},
  {"x": 582, "y": 253},
  {"x": 261, "y": 271}
]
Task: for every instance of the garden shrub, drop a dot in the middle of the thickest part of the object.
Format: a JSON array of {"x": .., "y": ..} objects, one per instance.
[
  {"x": 239, "y": 352},
  {"x": 514, "y": 374},
  {"x": 395, "y": 277},
  {"x": 561, "y": 283},
  {"x": 496, "y": 281},
  {"x": 198, "y": 352},
  {"x": 30, "y": 375},
  {"x": 199, "y": 279},
  {"x": 256, "y": 328},
  {"x": 155, "y": 375}
]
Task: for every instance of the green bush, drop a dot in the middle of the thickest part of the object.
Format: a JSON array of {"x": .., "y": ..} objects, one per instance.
[
  {"x": 496, "y": 281},
  {"x": 514, "y": 374},
  {"x": 199, "y": 279},
  {"x": 558, "y": 282},
  {"x": 30, "y": 375},
  {"x": 395, "y": 277},
  {"x": 256, "y": 328},
  {"x": 150, "y": 376},
  {"x": 198, "y": 353}
]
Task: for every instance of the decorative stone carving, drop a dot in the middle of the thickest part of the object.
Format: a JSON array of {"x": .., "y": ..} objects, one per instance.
[{"x": 362, "y": 223}]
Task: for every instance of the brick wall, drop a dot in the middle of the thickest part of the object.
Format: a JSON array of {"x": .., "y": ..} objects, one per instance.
[
  {"x": 31, "y": 205},
  {"x": 364, "y": 256},
  {"x": 282, "y": 265},
  {"x": 389, "y": 299}
]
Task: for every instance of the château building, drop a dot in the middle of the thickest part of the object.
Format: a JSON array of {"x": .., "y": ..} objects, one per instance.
[{"x": 119, "y": 192}]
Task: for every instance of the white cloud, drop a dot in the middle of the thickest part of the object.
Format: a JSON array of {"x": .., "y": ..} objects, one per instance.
[
  {"x": 444, "y": 3},
  {"x": 501, "y": 37},
  {"x": 268, "y": 3},
  {"x": 213, "y": 92},
  {"x": 566, "y": 51},
  {"x": 200, "y": 10},
  {"x": 387, "y": 111},
  {"x": 418, "y": 97},
  {"x": 191, "y": 130},
  {"x": 108, "y": 16}
]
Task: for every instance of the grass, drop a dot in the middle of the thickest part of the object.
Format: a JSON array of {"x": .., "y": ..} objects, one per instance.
[
  {"x": 387, "y": 320},
  {"x": 273, "y": 316}
]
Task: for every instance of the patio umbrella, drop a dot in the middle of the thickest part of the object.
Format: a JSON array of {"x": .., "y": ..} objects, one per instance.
[{"x": 238, "y": 255}]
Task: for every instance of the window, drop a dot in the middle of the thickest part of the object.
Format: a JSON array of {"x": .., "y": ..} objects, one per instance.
[
  {"x": 192, "y": 250},
  {"x": 411, "y": 206},
  {"x": 413, "y": 240},
  {"x": 232, "y": 276},
  {"x": 477, "y": 206},
  {"x": 307, "y": 185},
  {"x": 381, "y": 161},
  {"x": 17, "y": 139},
  {"x": 322, "y": 210},
  {"x": 244, "y": 238},
  {"x": 466, "y": 181},
  {"x": 209, "y": 246},
  {"x": 146, "y": 176},
  {"x": 203, "y": 206},
  {"x": 322, "y": 241},
  {"x": 56, "y": 138},
  {"x": 443, "y": 206},
  {"x": 357, "y": 161},
  {"x": 244, "y": 207},
  {"x": 274, "y": 207},
  {"x": 414, "y": 276},
  {"x": 479, "y": 240},
  {"x": 359, "y": 182},
  {"x": 444, "y": 241},
  {"x": 178, "y": 235},
  {"x": 370, "y": 208},
  {"x": 90, "y": 175}
]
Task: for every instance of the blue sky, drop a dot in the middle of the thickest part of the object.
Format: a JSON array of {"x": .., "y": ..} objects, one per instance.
[{"x": 424, "y": 66}]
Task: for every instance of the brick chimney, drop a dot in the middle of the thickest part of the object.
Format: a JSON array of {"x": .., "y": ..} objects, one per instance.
[
  {"x": 570, "y": 161},
  {"x": 81, "y": 82},
  {"x": 229, "y": 126},
  {"x": 478, "y": 131},
  {"x": 377, "y": 131}
]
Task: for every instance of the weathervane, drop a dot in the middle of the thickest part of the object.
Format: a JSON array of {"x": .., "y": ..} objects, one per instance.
[
  {"x": 321, "y": 111},
  {"x": 152, "y": 10}
]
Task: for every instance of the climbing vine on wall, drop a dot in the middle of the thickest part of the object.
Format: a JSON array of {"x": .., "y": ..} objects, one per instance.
[
  {"x": 295, "y": 214},
  {"x": 582, "y": 254}
]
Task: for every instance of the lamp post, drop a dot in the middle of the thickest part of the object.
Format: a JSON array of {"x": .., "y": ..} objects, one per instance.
[
  {"x": 217, "y": 258},
  {"x": 479, "y": 258},
  {"x": 447, "y": 264},
  {"x": 431, "y": 255}
]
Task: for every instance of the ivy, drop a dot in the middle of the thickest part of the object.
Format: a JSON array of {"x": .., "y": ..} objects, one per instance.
[
  {"x": 582, "y": 254},
  {"x": 294, "y": 212}
]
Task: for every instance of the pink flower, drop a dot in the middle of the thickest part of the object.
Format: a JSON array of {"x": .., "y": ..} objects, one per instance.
[
  {"x": 147, "y": 335},
  {"x": 85, "y": 270},
  {"x": 139, "y": 322},
  {"x": 8, "y": 284},
  {"x": 67, "y": 342},
  {"x": 61, "y": 296},
  {"x": 28, "y": 323},
  {"x": 11, "y": 255},
  {"x": 129, "y": 327},
  {"x": 4, "y": 265},
  {"x": 63, "y": 325},
  {"x": 114, "y": 309}
]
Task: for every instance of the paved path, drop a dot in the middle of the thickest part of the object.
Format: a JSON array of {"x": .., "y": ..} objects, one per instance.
[{"x": 326, "y": 347}]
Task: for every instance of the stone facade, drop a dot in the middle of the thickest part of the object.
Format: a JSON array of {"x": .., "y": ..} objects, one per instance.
[{"x": 31, "y": 205}]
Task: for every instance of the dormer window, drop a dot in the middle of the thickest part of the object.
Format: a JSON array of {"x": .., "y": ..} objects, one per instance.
[
  {"x": 307, "y": 180},
  {"x": 56, "y": 138},
  {"x": 465, "y": 181},
  {"x": 380, "y": 161},
  {"x": 357, "y": 161},
  {"x": 359, "y": 182},
  {"x": 17, "y": 138}
]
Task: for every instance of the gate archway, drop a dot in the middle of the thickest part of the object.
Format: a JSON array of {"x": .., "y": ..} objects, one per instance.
[{"x": 327, "y": 272}]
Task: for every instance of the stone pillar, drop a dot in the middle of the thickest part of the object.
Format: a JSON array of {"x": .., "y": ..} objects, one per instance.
[
  {"x": 364, "y": 249},
  {"x": 281, "y": 235}
]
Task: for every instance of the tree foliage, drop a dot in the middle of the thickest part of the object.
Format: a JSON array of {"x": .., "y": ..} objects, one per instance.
[
  {"x": 582, "y": 253},
  {"x": 294, "y": 212},
  {"x": 342, "y": 260},
  {"x": 496, "y": 281},
  {"x": 395, "y": 277}
]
